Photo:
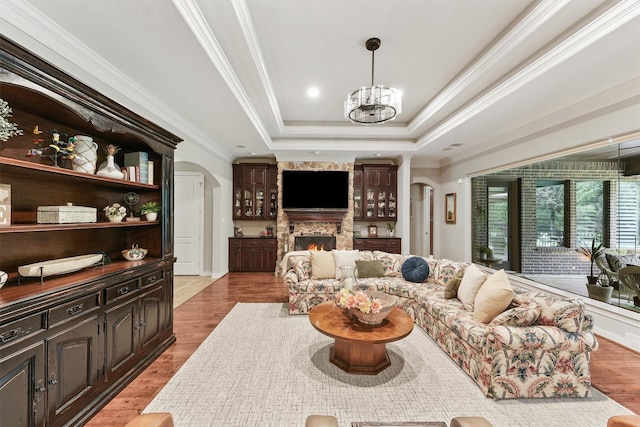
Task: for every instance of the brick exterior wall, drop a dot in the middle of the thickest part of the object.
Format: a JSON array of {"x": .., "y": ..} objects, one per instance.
[{"x": 549, "y": 260}]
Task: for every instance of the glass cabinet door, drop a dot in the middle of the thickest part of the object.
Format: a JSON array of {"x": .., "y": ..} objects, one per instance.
[
  {"x": 357, "y": 203},
  {"x": 237, "y": 203},
  {"x": 392, "y": 205},
  {"x": 259, "y": 203},
  {"x": 273, "y": 203},
  {"x": 371, "y": 203},
  {"x": 382, "y": 204},
  {"x": 248, "y": 203}
]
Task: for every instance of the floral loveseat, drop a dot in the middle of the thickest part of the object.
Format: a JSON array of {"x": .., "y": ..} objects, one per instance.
[{"x": 538, "y": 347}]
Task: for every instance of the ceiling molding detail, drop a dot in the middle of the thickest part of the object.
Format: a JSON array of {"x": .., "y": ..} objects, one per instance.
[
  {"x": 82, "y": 59},
  {"x": 588, "y": 31},
  {"x": 246, "y": 24},
  {"x": 201, "y": 30},
  {"x": 525, "y": 26}
]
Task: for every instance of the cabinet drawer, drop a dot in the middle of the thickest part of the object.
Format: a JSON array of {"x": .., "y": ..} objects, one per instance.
[
  {"x": 121, "y": 290},
  {"x": 394, "y": 244},
  {"x": 235, "y": 243},
  {"x": 252, "y": 243},
  {"x": 74, "y": 308},
  {"x": 271, "y": 243},
  {"x": 152, "y": 278},
  {"x": 16, "y": 330},
  {"x": 380, "y": 245}
]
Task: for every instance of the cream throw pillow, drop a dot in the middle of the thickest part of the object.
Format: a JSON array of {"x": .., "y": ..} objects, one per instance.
[
  {"x": 493, "y": 298},
  {"x": 344, "y": 257},
  {"x": 322, "y": 265},
  {"x": 469, "y": 285}
]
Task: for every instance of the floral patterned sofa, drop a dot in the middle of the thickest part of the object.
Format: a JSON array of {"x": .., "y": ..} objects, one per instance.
[{"x": 538, "y": 347}]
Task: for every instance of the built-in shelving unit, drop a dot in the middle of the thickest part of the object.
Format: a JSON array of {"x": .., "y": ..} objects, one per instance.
[{"x": 71, "y": 342}]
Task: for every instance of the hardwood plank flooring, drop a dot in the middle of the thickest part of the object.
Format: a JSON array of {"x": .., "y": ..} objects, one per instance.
[{"x": 615, "y": 369}]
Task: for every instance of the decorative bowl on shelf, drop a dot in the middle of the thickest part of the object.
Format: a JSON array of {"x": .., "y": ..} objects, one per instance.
[{"x": 134, "y": 254}]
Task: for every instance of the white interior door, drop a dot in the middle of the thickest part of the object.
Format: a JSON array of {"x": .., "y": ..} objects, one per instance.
[{"x": 189, "y": 223}]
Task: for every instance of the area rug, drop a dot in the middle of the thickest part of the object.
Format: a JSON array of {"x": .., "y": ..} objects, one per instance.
[{"x": 263, "y": 367}]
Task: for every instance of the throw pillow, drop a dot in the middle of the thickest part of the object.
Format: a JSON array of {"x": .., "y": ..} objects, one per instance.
[
  {"x": 322, "y": 265},
  {"x": 615, "y": 262},
  {"x": 415, "y": 269},
  {"x": 343, "y": 257},
  {"x": 521, "y": 315},
  {"x": 451, "y": 289},
  {"x": 469, "y": 285},
  {"x": 494, "y": 296},
  {"x": 370, "y": 268}
]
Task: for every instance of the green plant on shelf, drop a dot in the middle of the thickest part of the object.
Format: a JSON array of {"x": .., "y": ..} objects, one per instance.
[{"x": 150, "y": 207}]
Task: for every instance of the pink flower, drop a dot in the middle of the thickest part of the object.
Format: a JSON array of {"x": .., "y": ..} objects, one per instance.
[{"x": 376, "y": 306}]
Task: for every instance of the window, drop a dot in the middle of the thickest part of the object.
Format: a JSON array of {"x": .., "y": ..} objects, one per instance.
[
  {"x": 629, "y": 215},
  {"x": 589, "y": 211},
  {"x": 550, "y": 214}
]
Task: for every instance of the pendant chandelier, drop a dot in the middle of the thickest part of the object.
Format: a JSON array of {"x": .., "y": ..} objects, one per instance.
[{"x": 372, "y": 104}]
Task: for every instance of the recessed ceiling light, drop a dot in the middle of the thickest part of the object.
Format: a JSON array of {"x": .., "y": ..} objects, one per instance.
[
  {"x": 456, "y": 145},
  {"x": 313, "y": 92},
  {"x": 315, "y": 152},
  {"x": 252, "y": 154},
  {"x": 446, "y": 149},
  {"x": 240, "y": 146},
  {"x": 378, "y": 155}
]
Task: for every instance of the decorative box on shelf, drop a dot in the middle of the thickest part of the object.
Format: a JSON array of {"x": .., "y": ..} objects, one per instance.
[{"x": 68, "y": 214}]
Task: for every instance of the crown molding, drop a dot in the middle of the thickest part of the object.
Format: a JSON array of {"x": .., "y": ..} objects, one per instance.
[
  {"x": 192, "y": 16},
  {"x": 508, "y": 41},
  {"x": 595, "y": 26},
  {"x": 86, "y": 64}
]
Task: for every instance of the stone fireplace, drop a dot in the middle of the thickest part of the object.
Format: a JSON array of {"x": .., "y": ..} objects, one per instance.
[
  {"x": 315, "y": 242},
  {"x": 337, "y": 226}
]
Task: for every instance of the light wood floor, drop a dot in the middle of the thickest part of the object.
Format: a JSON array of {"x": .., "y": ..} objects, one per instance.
[{"x": 615, "y": 370}]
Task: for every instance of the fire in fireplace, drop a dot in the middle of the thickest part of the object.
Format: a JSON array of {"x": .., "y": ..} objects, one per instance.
[{"x": 314, "y": 243}]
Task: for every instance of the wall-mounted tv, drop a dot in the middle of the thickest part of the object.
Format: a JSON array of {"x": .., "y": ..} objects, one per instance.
[{"x": 315, "y": 189}]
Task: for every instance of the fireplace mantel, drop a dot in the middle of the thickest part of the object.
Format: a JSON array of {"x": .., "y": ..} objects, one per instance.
[{"x": 313, "y": 215}]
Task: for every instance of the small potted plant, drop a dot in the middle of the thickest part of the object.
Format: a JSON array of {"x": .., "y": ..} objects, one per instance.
[
  {"x": 150, "y": 210},
  {"x": 592, "y": 253},
  {"x": 484, "y": 252},
  {"x": 390, "y": 227}
]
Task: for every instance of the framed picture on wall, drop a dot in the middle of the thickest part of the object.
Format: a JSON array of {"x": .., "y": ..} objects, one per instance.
[
  {"x": 373, "y": 231},
  {"x": 450, "y": 208}
]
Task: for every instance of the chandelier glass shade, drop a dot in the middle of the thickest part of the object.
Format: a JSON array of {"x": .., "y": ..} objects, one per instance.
[{"x": 375, "y": 103}]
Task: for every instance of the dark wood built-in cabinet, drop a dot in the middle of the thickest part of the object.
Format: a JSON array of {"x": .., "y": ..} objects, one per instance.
[
  {"x": 375, "y": 192},
  {"x": 253, "y": 253},
  {"x": 255, "y": 191},
  {"x": 384, "y": 244},
  {"x": 68, "y": 344}
]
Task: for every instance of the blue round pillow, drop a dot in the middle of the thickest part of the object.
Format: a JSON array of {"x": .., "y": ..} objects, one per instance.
[{"x": 415, "y": 269}]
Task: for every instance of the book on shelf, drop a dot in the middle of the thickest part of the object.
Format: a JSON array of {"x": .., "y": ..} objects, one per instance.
[
  {"x": 150, "y": 172},
  {"x": 139, "y": 160}
]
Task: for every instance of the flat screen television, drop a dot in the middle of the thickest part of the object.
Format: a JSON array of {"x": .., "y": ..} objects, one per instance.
[{"x": 315, "y": 190}]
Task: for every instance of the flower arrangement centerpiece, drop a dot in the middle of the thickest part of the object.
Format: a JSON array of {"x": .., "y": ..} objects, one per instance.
[
  {"x": 115, "y": 212},
  {"x": 370, "y": 309},
  {"x": 7, "y": 128},
  {"x": 59, "y": 146}
]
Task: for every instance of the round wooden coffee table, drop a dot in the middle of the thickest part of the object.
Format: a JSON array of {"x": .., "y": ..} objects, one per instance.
[{"x": 359, "y": 348}]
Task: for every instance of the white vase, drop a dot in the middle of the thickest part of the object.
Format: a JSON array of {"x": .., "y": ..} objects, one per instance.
[
  {"x": 87, "y": 154},
  {"x": 110, "y": 169},
  {"x": 151, "y": 216}
]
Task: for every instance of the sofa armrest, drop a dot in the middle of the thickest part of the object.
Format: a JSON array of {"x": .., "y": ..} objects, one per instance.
[{"x": 291, "y": 278}]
